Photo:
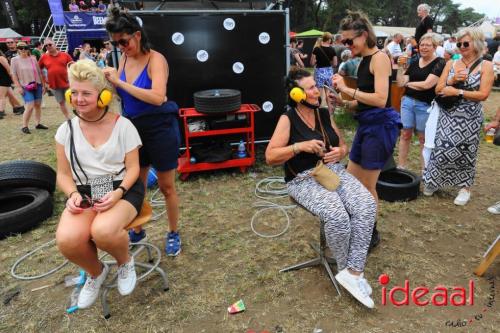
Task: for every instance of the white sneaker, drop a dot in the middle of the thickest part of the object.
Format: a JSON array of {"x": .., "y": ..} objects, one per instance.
[
  {"x": 366, "y": 285},
  {"x": 127, "y": 278},
  {"x": 462, "y": 197},
  {"x": 427, "y": 192},
  {"x": 90, "y": 291},
  {"x": 495, "y": 209},
  {"x": 355, "y": 286}
]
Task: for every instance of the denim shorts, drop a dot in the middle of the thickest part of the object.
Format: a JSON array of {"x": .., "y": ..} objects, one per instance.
[
  {"x": 414, "y": 113},
  {"x": 32, "y": 96},
  {"x": 161, "y": 140},
  {"x": 375, "y": 137}
]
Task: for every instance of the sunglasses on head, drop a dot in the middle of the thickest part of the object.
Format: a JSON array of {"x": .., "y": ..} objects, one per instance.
[
  {"x": 87, "y": 202},
  {"x": 464, "y": 44}
]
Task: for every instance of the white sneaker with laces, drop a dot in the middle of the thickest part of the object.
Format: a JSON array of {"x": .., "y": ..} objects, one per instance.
[
  {"x": 356, "y": 287},
  {"x": 127, "y": 278},
  {"x": 462, "y": 197},
  {"x": 90, "y": 291},
  {"x": 495, "y": 209}
]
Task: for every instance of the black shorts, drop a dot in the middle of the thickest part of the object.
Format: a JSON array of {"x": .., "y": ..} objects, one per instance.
[
  {"x": 161, "y": 140},
  {"x": 135, "y": 195}
]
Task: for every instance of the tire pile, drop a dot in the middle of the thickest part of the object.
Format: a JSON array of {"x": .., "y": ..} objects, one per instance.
[{"x": 26, "y": 189}]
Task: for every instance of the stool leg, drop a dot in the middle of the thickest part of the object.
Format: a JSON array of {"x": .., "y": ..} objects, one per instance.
[
  {"x": 157, "y": 269},
  {"x": 330, "y": 274},
  {"x": 309, "y": 263},
  {"x": 104, "y": 302},
  {"x": 150, "y": 257}
]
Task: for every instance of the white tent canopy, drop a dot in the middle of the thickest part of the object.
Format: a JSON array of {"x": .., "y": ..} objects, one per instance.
[{"x": 9, "y": 33}]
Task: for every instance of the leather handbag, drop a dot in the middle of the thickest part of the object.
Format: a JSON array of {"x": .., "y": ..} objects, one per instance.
[{"x": 326, "y": 177}]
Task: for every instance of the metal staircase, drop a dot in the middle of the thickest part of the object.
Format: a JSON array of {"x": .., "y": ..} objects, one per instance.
[{"x": 57, "y": 33}]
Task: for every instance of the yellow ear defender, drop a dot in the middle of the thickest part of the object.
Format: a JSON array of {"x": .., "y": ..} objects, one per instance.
[
  {"x": 104, "y": 99},
  {"x": 297, "y": 94}
]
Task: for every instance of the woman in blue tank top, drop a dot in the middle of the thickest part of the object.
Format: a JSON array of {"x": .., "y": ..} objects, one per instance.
[
  {"x": 379, "y": 124},
  {"x": 141, "y": 82}
]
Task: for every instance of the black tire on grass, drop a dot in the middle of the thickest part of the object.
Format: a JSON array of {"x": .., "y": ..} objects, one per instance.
[
  {"x": 398, "y": 185},
  {"x": 23, "y": 173},
  {"x": 23, "y": 209},
  {"x": 217, "y": 101}
]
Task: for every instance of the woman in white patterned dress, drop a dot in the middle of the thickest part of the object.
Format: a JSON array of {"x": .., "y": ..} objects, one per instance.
[{"x": 453, "y": 160}]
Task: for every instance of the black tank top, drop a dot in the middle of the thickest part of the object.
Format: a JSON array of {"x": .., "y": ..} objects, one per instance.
[
  {"x": 5, "y": 80},
  {"x": 366, "y": 82},
  {"x": 299, "y": 132}
]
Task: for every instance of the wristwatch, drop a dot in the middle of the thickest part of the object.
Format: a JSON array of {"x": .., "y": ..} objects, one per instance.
[
  {"x": 123, "y": 189},
  {"x": 461, "y": 93}
]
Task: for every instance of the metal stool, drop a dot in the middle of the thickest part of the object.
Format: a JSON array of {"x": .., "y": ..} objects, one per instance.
[
  {"x": 322, "y": 258},
  {"x": 136, "y": 249}
]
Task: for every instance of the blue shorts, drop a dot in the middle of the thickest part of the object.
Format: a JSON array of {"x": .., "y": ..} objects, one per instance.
[
  {"x": 161, "y": 140},
  {"x": 414, "y": 113},
  {"x": 375, "y": 137},
  {"x": 32, "y": 96}
]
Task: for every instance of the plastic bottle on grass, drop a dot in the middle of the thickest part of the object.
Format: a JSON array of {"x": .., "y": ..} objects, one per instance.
[
  {"x": 73, "y": 298},
  {"x": 242, "y": 151}
]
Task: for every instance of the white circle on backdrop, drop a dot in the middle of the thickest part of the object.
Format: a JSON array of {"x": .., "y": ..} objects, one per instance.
[
  {"x": 229, "y": 24},
  {"x": 202, "y": 55},
  {"x": 139, "y": 20},
  {"x": 238, "y": 67},
  {"x": 267, "y": 106},
  {"x": 264, "y": 38},
  {"x": 177, "y": 38}
]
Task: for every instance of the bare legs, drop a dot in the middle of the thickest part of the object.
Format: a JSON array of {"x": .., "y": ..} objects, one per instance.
[
  {"x": 404, "y": 147},
  {"x": 79, "y": 235}
]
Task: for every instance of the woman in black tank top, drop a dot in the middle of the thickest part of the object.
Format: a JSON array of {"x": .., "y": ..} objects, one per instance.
[
  {"x": 303, "y": 136},
  {"x": 5, "y": 82},
  {"x": 379, "y": 124}
]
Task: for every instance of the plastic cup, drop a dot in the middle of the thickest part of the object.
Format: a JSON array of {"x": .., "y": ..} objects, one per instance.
[{"x": 490, "y": 135}]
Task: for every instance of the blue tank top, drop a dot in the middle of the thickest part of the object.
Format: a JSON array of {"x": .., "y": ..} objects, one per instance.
[{"x": 134, "y": 107}]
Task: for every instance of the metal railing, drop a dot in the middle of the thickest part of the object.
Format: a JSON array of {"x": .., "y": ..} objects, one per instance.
[{"x": 57, "y": 33}]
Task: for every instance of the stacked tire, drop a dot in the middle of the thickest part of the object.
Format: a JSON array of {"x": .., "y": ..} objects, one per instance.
[{"x": 26, "y": 189}]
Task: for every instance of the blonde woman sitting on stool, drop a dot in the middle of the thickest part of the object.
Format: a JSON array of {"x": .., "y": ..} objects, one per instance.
[{"x": 98, "y": 170}]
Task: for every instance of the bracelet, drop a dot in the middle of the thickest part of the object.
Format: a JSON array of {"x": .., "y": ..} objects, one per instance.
[
  {"x": 69, "y": 196},
  {"x": 354, "y": 95},
  {"x": 123, "y": 189},
  {"x": 294, "y": 148}
]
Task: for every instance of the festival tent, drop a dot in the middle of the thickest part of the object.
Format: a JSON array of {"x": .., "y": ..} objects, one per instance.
[
  {"x": 309, "y": 33},
  {"x": 8, "y": 33}
]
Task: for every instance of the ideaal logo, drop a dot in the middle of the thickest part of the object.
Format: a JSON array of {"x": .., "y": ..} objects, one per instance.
[
  {"x": 98, "y": 20},
  {"x": 439, "y": 296}
]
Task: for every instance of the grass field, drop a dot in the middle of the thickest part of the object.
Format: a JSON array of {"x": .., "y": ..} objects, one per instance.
[{"x": 429, "y": 241}]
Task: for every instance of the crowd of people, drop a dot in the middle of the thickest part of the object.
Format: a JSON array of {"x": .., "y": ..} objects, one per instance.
[
  {"x": 445, "y": 84},
  {"x": 104, "y": 153}
]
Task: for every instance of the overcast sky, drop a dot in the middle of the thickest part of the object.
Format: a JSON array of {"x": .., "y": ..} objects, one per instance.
[{"x": 488, "y": 7}]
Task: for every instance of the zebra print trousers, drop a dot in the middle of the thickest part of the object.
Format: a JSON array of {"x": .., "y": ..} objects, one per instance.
[{"x": 348, "y": 212}]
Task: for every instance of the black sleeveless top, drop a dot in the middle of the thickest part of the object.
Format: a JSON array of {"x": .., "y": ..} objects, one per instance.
[
  {"x": 299, "y": 132},
  {"x": 5, "y": 80},
  {"x": 366, "y": 82}
]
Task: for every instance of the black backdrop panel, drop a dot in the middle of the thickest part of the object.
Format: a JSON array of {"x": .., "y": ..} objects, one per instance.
[{"x": 264, "y": 64}]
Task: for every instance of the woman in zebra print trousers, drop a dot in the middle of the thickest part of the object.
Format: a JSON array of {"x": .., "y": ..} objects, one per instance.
[{"x": 304, "y": 135}]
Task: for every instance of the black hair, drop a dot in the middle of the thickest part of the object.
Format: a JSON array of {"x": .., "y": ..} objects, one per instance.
[
  {"x": 294, "y": 76},
  {"x": 123, "y": 22},
  {"x": 37, "y": 44}
]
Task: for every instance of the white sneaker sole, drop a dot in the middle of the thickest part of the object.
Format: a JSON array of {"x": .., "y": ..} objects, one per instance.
[
  {"x": 460, "y": 203},
  {"x": 493, "y": 211}
]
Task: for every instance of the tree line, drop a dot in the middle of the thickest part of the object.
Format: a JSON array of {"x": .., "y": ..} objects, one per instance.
[{"x": 325, "y": 15}]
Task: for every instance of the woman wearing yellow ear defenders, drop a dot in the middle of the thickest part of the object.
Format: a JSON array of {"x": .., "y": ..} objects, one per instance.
[
  {"x": 98, "y": 170},
  {"x": 304, "y": 135}
]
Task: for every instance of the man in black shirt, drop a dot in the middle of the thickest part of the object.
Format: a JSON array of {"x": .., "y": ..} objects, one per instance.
[
  {"x": 11, "y": 49},
  {"x": 426, "y": 22}
]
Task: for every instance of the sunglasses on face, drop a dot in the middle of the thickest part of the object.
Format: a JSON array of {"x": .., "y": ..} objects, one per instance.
[
  {"x": 122, "y": 41},
  {"x": 87, "y": 202},
  {"x": 347, "y": 41},
  {"x": 49, "y": 44},
  {"x": 464, "y": 44},
  {"x": 22, "y": 48}
]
